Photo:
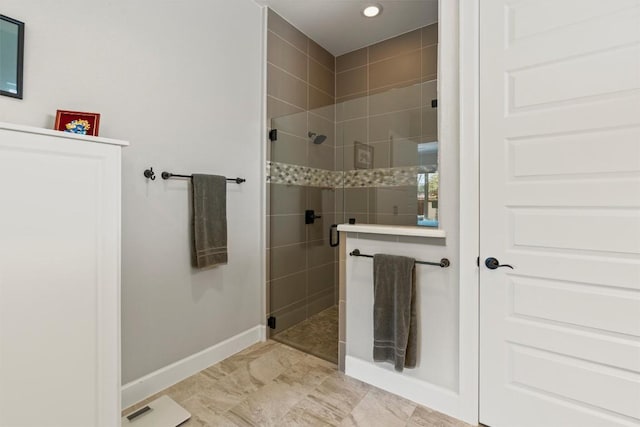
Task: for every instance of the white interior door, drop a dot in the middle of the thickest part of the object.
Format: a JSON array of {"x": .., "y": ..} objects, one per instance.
[{"x": 560, "y": 201}]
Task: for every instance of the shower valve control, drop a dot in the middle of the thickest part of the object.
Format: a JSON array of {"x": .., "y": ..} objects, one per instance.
[{"x": 310, "y": 216}]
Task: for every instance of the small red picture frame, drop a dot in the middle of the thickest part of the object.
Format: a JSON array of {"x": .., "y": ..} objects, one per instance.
[{"x": 78, "y": 122}]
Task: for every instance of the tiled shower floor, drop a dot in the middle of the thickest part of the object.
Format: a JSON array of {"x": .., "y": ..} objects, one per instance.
[{"x": 317, "y": 335}]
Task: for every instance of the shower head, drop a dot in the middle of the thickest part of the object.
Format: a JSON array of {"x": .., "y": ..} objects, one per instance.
[{"x": 317, "y": 139}]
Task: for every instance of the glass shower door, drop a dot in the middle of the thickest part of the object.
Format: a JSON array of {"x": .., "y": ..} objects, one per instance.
[
  {"x": 302, "y": 276},
  {"x": 372, "y": 159}
]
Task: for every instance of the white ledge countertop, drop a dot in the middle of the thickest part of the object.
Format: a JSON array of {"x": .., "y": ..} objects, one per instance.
[
  {"x": 394, "y": 230},
  {"x": 60, "y": 134}
]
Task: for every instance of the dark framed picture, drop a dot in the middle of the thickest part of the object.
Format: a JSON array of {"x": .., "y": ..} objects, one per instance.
[
  {"x": 78, "y": 122},
  {"x": 11, "y": 56},
  {"x": 362, "y": 155}
]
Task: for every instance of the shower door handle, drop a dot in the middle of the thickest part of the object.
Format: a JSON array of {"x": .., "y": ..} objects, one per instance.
[
  {"x": 333, "y": 245},
  {"x": 310, "y": 216}
]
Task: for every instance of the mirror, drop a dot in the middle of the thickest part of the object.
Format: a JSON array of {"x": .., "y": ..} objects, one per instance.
[{"x": 11, "y": 56}]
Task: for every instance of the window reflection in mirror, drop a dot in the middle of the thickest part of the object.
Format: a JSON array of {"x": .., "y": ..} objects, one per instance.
[
  {"x": 11, "y": 56},
  {"x": 427, "y": 176},
  {"x": 428, "y": 184}
]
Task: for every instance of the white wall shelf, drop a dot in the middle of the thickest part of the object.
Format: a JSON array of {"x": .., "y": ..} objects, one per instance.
[
  {"x": 394, "y": 230},
  {"x": 60, "y": 134}
]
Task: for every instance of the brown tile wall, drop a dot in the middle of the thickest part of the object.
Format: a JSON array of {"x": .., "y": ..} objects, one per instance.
[
  {"x": 302, "y": 267},
  {"x": 397, "y": 62},
  {"x": 300, "y": 96}
]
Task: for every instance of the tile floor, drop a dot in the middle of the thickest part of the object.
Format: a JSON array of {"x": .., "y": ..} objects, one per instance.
[
  {"x": 317, "y": 335},
  {"x": 271, "y": 384}
]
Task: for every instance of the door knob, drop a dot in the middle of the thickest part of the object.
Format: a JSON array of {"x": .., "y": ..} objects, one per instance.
[{"x": 493, "y": 263}]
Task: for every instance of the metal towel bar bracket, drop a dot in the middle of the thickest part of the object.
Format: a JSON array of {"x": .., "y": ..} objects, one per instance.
[
  {"x": 444, "y": 262},
  {"x": 149, "y": 173}
]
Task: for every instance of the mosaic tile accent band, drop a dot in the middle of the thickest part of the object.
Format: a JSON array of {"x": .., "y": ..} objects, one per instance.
[{"x": 283, "y": 173}]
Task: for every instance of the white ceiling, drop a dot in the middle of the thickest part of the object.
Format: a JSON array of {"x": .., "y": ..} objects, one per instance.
[{"x": 339, "y": 27}]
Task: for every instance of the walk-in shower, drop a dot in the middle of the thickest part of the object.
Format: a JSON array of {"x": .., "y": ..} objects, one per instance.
[{"x": 371, "y": 116}]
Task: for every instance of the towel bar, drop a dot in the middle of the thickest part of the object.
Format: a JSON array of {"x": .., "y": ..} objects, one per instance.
[
  {"x": 444, "y": 262},
  {"x": 167, "y": 175}
]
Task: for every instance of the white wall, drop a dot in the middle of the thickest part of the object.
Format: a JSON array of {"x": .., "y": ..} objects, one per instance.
[
  {"x": 182, "y": 81},
  {"x": 436, "y": 304}
]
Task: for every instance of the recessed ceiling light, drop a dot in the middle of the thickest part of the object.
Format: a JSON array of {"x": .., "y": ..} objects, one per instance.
[{"x": 371, "y": 11}]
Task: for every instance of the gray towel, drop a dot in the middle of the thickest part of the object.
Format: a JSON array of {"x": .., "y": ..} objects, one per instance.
[
  {"x": 394, "y": 311},
  {"x": 209, "y": 220}
]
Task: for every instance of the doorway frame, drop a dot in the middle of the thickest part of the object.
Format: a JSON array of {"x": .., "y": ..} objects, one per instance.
[
  {"x": 463, "y": 22},
  {"x": 469, "y": 158}
]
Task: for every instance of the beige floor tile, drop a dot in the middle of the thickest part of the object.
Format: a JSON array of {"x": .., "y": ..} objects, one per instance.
[
  {"x": 200, "y": 414},
  {"x": 379, "y": 408},
  {"x": 424, "y": 417},
  {"x": 310, "y": 412},
  {"x": 214, "y": 373},
  {"x": 245, "y": 356},
  {"x": 267, "y": 406},
  {"x": 231, "y": 390},
  {"x": 305, "y": 375},
  {"x": 339, "y": 393},
  {"x": 271, "y": 384},
  {"x": 349, "y": 421},
  {"x": 274, "y": 362}
]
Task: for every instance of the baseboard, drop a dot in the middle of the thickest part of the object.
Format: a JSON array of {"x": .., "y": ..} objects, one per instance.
[
  {"x": 426, "y": 394},
  {"x": 140, "y": 389}
]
